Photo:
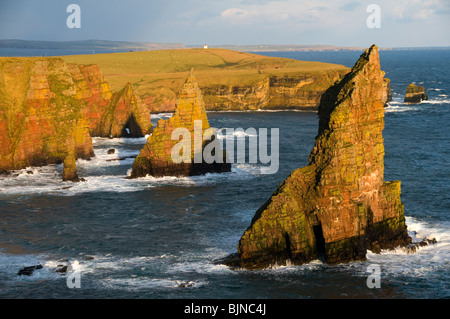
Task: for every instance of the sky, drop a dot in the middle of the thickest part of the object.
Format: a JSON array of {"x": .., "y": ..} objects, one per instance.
[{"x": 403, "y": 23}]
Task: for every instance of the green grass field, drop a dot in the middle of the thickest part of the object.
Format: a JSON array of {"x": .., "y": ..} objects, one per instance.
[{"x": 150, "y": 70}]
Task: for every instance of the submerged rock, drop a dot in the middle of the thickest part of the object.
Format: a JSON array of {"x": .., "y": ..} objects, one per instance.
[
  {"x": 28, "y": 271},
  {"x": 415, "y": 94},
  {"x": 339, "y": 206},
  {"x": 61, "y": 268},
  {"x": 156, "y": 158},
  {"x": 412, "y": 248}
]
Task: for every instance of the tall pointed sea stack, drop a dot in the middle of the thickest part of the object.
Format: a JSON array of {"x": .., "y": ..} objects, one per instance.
[
  {"x": 155, "y": 158},
  {"x": 338, "y": 206}
]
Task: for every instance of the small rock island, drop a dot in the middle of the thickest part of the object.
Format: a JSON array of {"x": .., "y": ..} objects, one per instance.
[
  {"x": 155, "y": 158},
  {"x": 339, "y": 206},
  {"x": 415, "y": 94}
]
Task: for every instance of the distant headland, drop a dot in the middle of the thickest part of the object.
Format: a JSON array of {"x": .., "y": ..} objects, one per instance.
[{"x": 146, "y": 46}]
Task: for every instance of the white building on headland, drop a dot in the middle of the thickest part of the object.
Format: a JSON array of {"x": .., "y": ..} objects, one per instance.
[{"x": 205, "y": 46}]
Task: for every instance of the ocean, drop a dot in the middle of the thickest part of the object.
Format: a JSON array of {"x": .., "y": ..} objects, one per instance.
[{"x": 157, "y": 238}]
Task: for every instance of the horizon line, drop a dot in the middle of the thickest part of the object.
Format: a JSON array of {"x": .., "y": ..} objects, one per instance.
[{"x": 298, "y": 46}]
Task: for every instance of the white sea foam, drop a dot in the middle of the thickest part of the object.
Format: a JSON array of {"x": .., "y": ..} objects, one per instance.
[
  {"x": 47, "y": 179},
  {"x": 161, "y": 116},
  {"x": 397, "y": 105},
  {"x": 98, "y": 178},
  {"x": 10, "y": 264},
  {"x": 101, "y": 141},
  {"x": 435, "y": 102},
  {"x": 238, "y": 172},
  {"x": 110, "y": 272},
  {"x": 231, "y": 135},
  {"x": 431, "y": 259},
  {"x": 263, "y": 111},
  {"x": 399, "y": 108},
  {"x": 169, "y": 271},
  {"x": 144, "y": 283}
]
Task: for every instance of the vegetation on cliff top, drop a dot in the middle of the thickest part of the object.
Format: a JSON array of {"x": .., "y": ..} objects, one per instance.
[{"x": 164, "y": 70}]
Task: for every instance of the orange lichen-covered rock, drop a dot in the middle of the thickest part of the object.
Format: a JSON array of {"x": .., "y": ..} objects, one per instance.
[
  {"x": 157, "y": 158},
  {"x": 126, "y": 115},
  {"x": 49, "y": 110},
  {"x": 94, "y": 91},
  {"x": 338, "y": 206},
  {"x": 415, "y": 94},
  {"x": 109, "y": 114},
  {"x": 41, "y": 118}
]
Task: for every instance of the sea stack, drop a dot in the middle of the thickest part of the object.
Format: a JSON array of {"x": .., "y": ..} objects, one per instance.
[
  {"x": 387, "y": 92},
  {"x": 339, "y": 206},
  {"x": 70, "y": 168},
  {"x": 415, "y": 94},
  {"x": 126, "y": 115},
  {"x": 157, "y": 158}
]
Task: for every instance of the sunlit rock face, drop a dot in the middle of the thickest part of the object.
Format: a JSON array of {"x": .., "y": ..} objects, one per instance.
[
  {"x": 42, "y": 118},
  {"x": 156, "y": 158},
  {"x": 339, "y": 206},
  {"x": 415, "y": 94},
  {"x": 49, "y": 109}
]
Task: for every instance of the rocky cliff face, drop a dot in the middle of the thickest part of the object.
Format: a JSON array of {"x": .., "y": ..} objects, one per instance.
[
  {"x": 296, "y": 91},
  {"x": 272, "y": 92},
  {"x": 126, "y": 115},
  {"x": 41, "y": 115},
  {"x": 109, "y": 114},
  {"x": 49, "y": 110},
  {"x": 415, "y": 94},
  {"x": 156, "y": 157},
  {"x": 338, "y": 206}
]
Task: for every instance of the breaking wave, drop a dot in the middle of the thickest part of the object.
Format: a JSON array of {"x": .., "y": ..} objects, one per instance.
[{"x": 108, "y": 172}]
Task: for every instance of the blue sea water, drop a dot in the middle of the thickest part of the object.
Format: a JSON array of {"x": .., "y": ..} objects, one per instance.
[{"x": 157, "y": 237}]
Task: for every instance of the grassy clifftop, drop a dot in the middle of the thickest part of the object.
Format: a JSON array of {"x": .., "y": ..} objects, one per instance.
[
  {"x": 159, "y": 75},
  {"x": 159, "y": 64}
]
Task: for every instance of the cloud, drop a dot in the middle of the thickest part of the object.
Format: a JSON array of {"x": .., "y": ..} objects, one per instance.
[
  {"x": 423, "y": 14},
  {"x": 350, "y": 6},
  {"x": 341, "y": 22},
  {"x": 234, "y": 14},
  {"x": 416, "y": 10},
  {"x": 256, "y": 15}
]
